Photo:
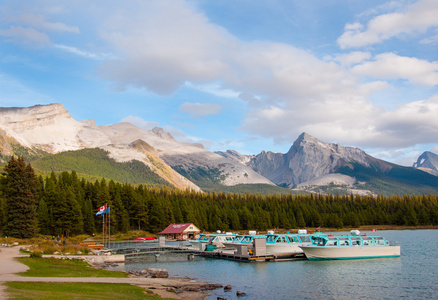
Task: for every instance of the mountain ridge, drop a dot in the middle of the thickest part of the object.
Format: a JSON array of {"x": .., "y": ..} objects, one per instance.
[{"x": 309, "y": 164}]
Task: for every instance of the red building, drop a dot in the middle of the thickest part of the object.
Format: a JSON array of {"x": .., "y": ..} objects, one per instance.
[{"x": 181, "y": 231}]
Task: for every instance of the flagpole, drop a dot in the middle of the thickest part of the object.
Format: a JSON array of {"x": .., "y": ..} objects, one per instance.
[
  {"x": 103, "y": 230},
  {"x": 109, "y": 227}
]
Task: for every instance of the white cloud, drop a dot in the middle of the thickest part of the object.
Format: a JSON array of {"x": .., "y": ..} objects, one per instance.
[
  {"x": 392, "y": 66},
  {"x": 40, "y": 22},
  {"x": 25, "y": 36},
  {"x": 417, "y": 18},
  {"x": 352, "y": 58},
  {"x": 196, "y": 110},
  {"x": 86, "y": 54}
]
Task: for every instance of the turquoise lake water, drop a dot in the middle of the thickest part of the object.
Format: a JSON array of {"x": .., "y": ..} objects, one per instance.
[{"x": 412, "y": 276}]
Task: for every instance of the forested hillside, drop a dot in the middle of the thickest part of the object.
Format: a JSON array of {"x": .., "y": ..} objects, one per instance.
[
  {"x": 67, "y": 205},
  {"x": 97, "y": 163}
]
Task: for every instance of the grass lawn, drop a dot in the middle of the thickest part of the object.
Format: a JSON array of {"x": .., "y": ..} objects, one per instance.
[
  {"x": 67, "y": 291},
  {"x": 53, "y": 267}
]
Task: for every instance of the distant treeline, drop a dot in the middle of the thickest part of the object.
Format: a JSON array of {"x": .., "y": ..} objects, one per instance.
[{"x": 65, "y": 204}]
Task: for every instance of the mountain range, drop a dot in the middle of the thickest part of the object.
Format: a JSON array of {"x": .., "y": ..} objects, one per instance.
[{"x": 49, "y": 137}]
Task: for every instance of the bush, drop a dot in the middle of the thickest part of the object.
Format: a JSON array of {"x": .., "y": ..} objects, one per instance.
[{"x": 36, "y": 254}]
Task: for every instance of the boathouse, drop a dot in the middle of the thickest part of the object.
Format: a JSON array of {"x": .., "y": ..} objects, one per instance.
[{"x": 181, "y": 231}]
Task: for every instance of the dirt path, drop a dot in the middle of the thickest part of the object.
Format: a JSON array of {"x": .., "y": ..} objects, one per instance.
[{"x": 186, "y": 288}]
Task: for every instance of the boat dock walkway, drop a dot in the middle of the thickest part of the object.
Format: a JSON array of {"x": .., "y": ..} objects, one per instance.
[{"x": 132, "y": 253}]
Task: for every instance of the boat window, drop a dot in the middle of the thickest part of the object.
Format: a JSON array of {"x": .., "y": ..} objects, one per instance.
[
  {"x": 305, "y": 239},
  {"x": 332, "y": 242},
  {"x": 379, "y": 241},
  {"x": 237, "y": 239},
  {"x": 293, "y": 239},
  {"x": 355, "y": 241},
  {"x": 246, "y": 239},
  {"x": 281, "y": 239},
  {"x": 344, "y": 242},
  {"x": 367, "y": 241},
  {"x": 321, "y": 242},
  {"x": 271, "y": 238}
]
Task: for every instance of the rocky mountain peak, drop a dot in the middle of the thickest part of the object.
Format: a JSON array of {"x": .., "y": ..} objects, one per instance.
[
  {"x": 162, "y": 134},
  {"x": 20, "y": 119},
  {"x": 428, "y": 162},
  {"x": 307, "y": 159}
]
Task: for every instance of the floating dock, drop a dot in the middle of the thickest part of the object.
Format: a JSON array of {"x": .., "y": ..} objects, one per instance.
[
  {"x": 242, "y": 253},
  {"x": 156, "y": 252}
]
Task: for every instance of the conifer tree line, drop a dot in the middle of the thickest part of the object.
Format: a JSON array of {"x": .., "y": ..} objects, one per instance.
[{"x": 66, "y": 205}]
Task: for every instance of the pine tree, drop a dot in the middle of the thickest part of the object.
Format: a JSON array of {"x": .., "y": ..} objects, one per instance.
[{"x": 19, "y": 189}]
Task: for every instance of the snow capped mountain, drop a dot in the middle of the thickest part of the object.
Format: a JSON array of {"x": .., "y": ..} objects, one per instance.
[
  {"x": 308, "y": 165},
  {"x": 52, "y": 129}
]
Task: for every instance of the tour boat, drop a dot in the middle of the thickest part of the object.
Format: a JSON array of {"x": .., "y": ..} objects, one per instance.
[
  {"x": 212, "y": 239},
  {"x": 354, "y": 246},
  {"x": 242, "y": 240},
  {"x": 287, "y": 243}
]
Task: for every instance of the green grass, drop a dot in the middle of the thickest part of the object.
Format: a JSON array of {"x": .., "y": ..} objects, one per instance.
[
  {"x": 53, "y": 267},
  {"x": 67, "y": 291}
]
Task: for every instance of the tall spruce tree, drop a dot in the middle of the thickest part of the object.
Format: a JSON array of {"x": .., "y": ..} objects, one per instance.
[{"x": 19, "y": 186}]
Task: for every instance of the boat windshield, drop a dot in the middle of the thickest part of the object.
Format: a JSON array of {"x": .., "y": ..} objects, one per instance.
[
  {"x": 238, "y": 239},
  {"x": 281, "y": 239},
  {"x": 293, "y": 239},
  {"x": 379, "y": 241},
  {"x": 271, "y": 238},
  {"x": 247, "y": 239},
  {"x": 305, "y": 239},
  {"x": 321, "y": 242}
]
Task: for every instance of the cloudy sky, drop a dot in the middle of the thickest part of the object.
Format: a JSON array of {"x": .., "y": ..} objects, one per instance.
[{"x": 234, "y": 74}]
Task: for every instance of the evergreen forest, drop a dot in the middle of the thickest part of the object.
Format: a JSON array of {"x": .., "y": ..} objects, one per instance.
[{"x": 66, "y": 204}]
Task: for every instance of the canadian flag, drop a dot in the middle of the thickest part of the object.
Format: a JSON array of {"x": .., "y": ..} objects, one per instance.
[{"x": 101, "y": 210}]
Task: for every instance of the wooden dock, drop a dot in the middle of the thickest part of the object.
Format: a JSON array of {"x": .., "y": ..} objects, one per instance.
[{"x": 231, "y": 255}]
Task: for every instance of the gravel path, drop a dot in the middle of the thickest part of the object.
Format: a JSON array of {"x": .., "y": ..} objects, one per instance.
[{"x": 186, "y": 288}]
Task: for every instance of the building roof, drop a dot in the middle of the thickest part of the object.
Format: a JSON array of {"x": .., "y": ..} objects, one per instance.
[{"x": 177, "y": 228}]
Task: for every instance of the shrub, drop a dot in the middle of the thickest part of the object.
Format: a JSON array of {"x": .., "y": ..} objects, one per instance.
[{"x": 36, "y": 254}]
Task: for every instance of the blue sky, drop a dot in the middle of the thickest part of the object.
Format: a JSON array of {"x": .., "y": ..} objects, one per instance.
[{"x": 242, "y": 75}]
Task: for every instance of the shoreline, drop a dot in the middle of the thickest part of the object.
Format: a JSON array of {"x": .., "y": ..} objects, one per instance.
[{"x": 174, "y": 287}]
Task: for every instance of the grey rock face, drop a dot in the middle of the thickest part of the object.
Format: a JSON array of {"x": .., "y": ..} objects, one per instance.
[
  {"x": 308, "y": 158},
  {"x": 427, "y": 162}
]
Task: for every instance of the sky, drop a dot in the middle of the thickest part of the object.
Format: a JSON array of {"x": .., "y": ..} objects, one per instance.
[{"x": 245, "y": 75}]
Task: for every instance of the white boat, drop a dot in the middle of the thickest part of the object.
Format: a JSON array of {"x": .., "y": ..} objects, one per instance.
[
  {"x": 352, "y": 246},
  {"x": 242, "y": 240},
  {"x": 286, "y": 243},
  {"x": 212, "y": 239}
]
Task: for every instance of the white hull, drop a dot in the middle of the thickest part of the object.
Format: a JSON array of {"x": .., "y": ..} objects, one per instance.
[
  {"x": 353, "y": 252},
  {"x": 284, "y": 248},
  {"x": 235, "y": 246}
]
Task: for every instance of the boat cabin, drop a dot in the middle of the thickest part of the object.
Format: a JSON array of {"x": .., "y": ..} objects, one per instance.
[{"x": 349, "y": 241}]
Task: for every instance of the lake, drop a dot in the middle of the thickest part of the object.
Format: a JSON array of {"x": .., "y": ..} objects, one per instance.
[{"x": 412, "y": 276}]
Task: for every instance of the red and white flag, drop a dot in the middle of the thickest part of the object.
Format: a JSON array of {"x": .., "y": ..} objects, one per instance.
[{"x": 101, "y": 210}]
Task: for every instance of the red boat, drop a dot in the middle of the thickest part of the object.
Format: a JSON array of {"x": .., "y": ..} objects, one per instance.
[{"x": 143, "y": 239}]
